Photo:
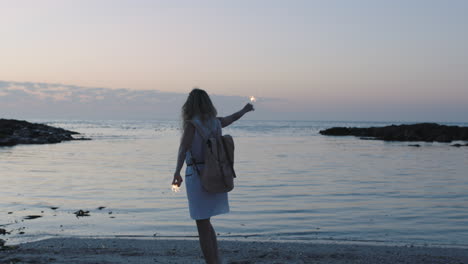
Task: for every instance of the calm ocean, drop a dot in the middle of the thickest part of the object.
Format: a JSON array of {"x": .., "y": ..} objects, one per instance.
[{"x": 293, "y": 184}]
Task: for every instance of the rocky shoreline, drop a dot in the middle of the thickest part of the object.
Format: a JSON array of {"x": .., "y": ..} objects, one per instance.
[
  {"x": 15, "y": 132},
  {"x": 7, "y": 230},
  {"x": 426, "y": 132}
]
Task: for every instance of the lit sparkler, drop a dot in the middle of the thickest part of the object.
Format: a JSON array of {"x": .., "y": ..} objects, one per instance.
[
  {"x": 253, "y": 99},
  {"x": 175, "y": 188}
]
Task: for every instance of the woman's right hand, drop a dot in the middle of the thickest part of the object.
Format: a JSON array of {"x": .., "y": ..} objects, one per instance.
[
  {"x": 248, "y": 107},
  {"x": 177, "y": 179}
]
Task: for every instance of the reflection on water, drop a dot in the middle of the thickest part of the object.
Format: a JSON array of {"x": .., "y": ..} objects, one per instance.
[{"x": 292, "y": 184}]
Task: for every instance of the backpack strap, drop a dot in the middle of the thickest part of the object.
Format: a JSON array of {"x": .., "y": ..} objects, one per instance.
[
  {"x": 204, "y": 136},
  {"x": 200, "y": 129}
]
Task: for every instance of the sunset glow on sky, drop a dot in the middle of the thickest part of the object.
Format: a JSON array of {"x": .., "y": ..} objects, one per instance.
[{"x": 320, "y": 59}]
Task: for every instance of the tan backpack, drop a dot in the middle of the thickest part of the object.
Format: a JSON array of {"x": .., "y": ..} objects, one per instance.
[{"x": 217, "y": 176}]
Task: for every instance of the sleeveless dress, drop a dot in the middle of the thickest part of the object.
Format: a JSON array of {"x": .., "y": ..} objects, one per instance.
[{"x": 202, "y": 204}]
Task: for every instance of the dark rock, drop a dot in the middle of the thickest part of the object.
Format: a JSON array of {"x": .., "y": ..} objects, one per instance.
[
  {"x": 414, "y": 145},
  {"x": 81, "y": 213},
  {"x": 3, "y": 232},
  {"x": 427, "y": 132},
  {"x": 337, "y": 131},
  {"x": 101, "y": 207},
  {"x": 30, "y": 217},
  {"x": 14, "y": 132}
]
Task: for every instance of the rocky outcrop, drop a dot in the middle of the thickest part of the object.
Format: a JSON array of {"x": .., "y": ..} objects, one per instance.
[
  {"x": 14, "y": 132},
  {"x": 428, "y": 132}
]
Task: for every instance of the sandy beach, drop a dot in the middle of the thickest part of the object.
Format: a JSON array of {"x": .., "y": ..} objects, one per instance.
[{"x": 88, "y": 250}]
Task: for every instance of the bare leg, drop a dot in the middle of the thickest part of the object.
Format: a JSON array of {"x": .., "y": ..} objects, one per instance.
[
  {"x": 214, "y": 241},
  {"x": 208, "y": 242}
]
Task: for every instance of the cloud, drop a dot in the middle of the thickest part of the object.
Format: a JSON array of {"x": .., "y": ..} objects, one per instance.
[
  {"x": 28, "y": 100},
  {"x": 51, "y": 100}
]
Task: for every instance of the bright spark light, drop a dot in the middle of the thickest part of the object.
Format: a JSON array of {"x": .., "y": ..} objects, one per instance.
[
  {"x": 175, "y": 188},
  {"x": 253, "y": 99}
]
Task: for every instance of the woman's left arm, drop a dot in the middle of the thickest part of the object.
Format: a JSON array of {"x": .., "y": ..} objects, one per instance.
[{"x": 185, "y": 145}]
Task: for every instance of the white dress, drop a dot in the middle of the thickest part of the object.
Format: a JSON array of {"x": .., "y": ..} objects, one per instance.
[{"x": 202, "y": 204}]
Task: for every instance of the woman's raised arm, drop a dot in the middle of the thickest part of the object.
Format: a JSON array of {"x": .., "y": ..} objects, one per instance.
[{"x": 226, "y": 121}]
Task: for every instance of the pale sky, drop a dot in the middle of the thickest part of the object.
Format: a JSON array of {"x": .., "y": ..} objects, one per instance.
[{"x": 341, "y": 60}]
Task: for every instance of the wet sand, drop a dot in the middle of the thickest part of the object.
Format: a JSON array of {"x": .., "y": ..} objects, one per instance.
[{"x": 88, "y": 250}]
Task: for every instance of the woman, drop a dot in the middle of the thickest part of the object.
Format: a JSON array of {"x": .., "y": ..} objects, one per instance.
[{"x": 203, "y": 205}]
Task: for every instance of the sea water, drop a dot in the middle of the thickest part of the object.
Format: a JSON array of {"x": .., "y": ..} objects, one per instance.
[{"x": 293, "y": 184}]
